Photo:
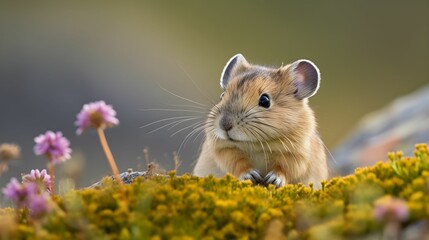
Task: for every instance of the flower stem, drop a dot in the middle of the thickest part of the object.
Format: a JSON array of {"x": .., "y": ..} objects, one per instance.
[
  {"x": 108, "y": 153},
  {"x": 52, "y": 173},
  {"x": 3, "y": 166},
  {"x": 391, "y": 230}
]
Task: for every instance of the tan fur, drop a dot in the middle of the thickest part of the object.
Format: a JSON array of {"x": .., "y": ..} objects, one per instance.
[{"x": 283, "y": 139}]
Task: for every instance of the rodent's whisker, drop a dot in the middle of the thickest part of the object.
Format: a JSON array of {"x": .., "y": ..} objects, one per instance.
[
  {"x": 190, "y": 106},
  {"x": 192, "y": 133},
  {"x": 190, "y": 126},
  {"x": 215, "y": 109},
  {"x": 186, "y": 99},
  {"x": 285, "y": 148},
  {"x": 182, "y": 121},
  {"x": 170, "y": 110},
  {"x": 165, "y": 119},
  {"x": 330, "y": 154},
  {"x": 288, "y": 149},
  {"x": 290, "y": 141},
  {"x": 175, "y": 123},
  {"x": 189, "y": 135},
  {"x": 281, "y": 134},
  {"x": 264, "y": 137},
  {"x": 199, "y": 133},
  {"x": 262, "y": 123},
  {"x": 262, "y": 117},
  {"x": 287, "y": 139},
  {"x": 251, "y": 108},
  {"x": 211, "y": 116},
  {"x": 253, "y": 113},
  {"x": 255, "y": 134},
  {"x": 196, "y": 85},
  {"x": 269, "y": 148},
  {"x": 276, "y": 129}
]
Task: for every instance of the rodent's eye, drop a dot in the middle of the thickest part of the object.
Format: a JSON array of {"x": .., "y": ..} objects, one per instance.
[
  {"x": 264, "y": 101},
  {"x": 221, "y": 95}
]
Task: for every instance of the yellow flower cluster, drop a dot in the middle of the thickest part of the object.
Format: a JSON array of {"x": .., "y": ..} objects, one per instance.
[{"x": 188, "y": 207}]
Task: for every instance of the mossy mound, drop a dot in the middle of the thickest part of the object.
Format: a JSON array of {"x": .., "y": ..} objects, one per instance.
[{"x": 187, "y": 207}]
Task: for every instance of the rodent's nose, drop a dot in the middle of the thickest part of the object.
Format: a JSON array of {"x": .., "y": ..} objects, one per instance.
[{"x": 226, "y": 123}]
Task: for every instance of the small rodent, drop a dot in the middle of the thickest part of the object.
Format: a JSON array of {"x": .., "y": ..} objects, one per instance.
[{"x": 263, "y": 128}]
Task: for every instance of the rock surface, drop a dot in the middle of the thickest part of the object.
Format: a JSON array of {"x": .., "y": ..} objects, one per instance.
[{"x": 400, "y": 125}]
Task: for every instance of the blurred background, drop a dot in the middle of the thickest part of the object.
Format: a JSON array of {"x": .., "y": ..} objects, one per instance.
[{"x": 57, "y": 56}]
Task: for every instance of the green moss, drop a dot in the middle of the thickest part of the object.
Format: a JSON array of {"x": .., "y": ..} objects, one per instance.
[{"x": 188, "y": 207}]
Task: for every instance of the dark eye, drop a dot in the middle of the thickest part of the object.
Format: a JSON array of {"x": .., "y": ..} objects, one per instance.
[
  {"x": 264, "y": 101},
  {"x": 221, "y": 95}
]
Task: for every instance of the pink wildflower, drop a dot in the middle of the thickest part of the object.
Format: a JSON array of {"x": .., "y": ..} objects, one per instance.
[
  {"x": 53, "y": 145},
  {"x": 41, "y": 178},
  {"x": 391, "y": 209},
  {"x": 99, "y": 116},
  {"x": 38, "y": 204},
  {"x": 19, "y": 193},
  {"x": 27, "y": 195},
  {"x": 96, "y": 114}
]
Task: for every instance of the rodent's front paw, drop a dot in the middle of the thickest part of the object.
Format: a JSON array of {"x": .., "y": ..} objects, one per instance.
[
  {"x": 275, "y": 179},
  {"x": 252, "y": 175}
]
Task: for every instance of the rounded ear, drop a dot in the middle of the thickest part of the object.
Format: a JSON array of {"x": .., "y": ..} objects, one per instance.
[
  {"x": 233, "y": 67},
  {"x": 306, "y": 78}
]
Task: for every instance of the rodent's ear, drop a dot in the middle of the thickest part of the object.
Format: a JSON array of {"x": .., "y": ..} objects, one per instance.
[
  {"x": 233, "y": 67},
  {"x": 306, "y": 78}
]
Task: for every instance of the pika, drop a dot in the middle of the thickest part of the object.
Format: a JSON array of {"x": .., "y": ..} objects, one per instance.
[{"x": 263, "y": 129}]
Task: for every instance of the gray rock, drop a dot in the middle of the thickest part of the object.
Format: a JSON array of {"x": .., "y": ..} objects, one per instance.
[
  {"x": 126, "y": 177},
  {"x": 399, "y": 126}
]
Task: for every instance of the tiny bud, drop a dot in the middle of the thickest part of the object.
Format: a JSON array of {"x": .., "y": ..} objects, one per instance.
[{"x": 9, "y": 151}]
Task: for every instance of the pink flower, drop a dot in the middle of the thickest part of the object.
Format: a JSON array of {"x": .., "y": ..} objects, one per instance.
[
  {"x": 38, "y": 204},
  {"x": 27, "y": 195},
  {"x": 41, "y": 178},
  {"x": 19, "y": 193},
  {"x": 96, "y": 115},
  {"x": 53, "y": 145},
  {"x": 391, "y": 209}
]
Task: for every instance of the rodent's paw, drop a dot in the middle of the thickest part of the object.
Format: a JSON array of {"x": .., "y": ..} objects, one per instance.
[
  {"x": 275, "y": 179},
  {"x": 252, "y": 175}
]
